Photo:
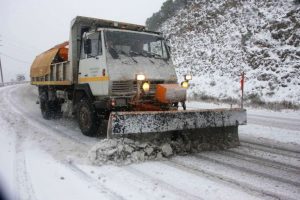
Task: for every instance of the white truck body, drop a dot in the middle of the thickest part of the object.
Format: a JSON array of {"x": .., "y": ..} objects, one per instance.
[{"x": 123, "y": 74}]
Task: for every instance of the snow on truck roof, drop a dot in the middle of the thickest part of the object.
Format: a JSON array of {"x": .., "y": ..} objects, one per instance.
[{"x": 103, "y": 23}]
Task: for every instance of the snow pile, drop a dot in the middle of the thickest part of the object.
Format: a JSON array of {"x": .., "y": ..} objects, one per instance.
[
  {"x": 111, "y": 151},
  {"x": 216, "y": 40},
  {"x": 126, "y": 151}
]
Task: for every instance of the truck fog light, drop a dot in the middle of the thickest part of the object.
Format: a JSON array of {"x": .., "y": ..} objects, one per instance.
[
  {"x": 146, "y": 87},
  {"x": 185, "y": 84},
  {"x": 140, "y": 77},
  {"x": 188, "y": 77},
  {"x": 113, "y": 102}
]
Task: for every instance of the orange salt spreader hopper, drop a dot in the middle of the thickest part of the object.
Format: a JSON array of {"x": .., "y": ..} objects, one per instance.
[{"x": 41, "y": 64}]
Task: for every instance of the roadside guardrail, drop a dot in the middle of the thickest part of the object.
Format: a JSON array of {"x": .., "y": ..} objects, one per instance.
[{"x": 13, "y": 83}]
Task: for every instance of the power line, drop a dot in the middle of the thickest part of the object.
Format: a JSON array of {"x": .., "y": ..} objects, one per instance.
[
  {"x": 22, "y": 44},
  {"x": 23, "y": 49},
  {"x": 10, "y": 57},
  {"x": 15, "y": 59}
]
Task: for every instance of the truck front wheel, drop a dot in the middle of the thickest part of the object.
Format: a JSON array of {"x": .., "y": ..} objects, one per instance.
[{"x": 87, "y": 117}]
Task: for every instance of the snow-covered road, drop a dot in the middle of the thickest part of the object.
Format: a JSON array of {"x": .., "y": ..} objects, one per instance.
[{"x": 42, "y": 159}]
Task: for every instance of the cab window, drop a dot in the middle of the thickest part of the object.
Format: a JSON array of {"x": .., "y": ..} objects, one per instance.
[{"x": 94, "y": 45}]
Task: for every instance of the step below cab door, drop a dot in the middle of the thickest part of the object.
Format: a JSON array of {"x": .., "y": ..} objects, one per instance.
[{"x": 92, "y": 64}]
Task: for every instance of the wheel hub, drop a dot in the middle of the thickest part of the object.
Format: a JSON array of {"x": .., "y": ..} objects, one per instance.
[{"x": 85, "y": 117}]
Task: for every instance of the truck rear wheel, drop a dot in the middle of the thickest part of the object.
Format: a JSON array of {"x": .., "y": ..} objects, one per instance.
[
  {"x": 49, "y": 109},
  {"x": 45, "y": 110},
  {"x": 87, "y": 117}
]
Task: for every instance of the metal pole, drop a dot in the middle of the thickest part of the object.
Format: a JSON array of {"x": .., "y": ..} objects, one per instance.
[
  {"x": 242, "y": 88},
  {"x": 2, "y": 81}
]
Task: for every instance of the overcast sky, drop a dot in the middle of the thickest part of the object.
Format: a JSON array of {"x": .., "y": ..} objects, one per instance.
[{"x": 29, "y": 27}]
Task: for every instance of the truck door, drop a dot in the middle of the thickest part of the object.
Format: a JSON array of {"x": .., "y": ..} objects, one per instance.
[{"x": 92, "y": 65}]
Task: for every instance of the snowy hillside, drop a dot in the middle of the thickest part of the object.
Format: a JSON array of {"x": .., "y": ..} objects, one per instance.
[{"x": 216, "y": 41}]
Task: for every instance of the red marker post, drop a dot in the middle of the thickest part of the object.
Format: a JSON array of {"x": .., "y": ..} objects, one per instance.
[{"x": 242, "y": 89}]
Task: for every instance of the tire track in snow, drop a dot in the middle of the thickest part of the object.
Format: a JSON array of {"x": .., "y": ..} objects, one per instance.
[
  {"x": 22, "y": 181},
  {"x": 261, "y": 161},
  {"x": 241, "y": 167},
  {"x": 274, "y": 149},
  {"x": 277, "y": 124},
  {"x": 218, "y": 173},
  {"x": 250, "y": 189},
  {"x": 162, "y": 183},
  {"x": 96, "y": 184},
  {"x": 286, "y": 119}
]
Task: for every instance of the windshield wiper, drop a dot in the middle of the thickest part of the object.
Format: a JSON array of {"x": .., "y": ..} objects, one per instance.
[
  {"x": 133, "y": 59},
  {"x": 113, "y": 53},
  {"x": 134, "y": 53},
  {"x": 93, "y": 56},
  {"x": 151, "y": 54},
  {"x": 156, "y": 55}
]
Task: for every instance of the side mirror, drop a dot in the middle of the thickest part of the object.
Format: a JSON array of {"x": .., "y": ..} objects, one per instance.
[
  {"x": 168, "y": 45},
  {"x": 88, "y": 46},
  {"x": 169, "y": 48}
]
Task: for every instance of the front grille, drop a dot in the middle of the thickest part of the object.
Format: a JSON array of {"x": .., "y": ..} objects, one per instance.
[{"x": 121, "y": 87}]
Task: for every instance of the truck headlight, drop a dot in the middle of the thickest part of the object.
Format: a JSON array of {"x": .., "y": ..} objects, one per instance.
[
  {"x": 185, "y": 84},
  {"x": 146, "y": 87},
  {"x": 140, "y": 77},
  {"x": 188, "y": 77}
]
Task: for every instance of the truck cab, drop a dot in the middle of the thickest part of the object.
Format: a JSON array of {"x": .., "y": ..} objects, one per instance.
[{"x": 111, "y": 61}]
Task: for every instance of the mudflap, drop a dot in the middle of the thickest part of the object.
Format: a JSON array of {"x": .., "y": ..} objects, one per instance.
[{"x": 213, "y": 126}]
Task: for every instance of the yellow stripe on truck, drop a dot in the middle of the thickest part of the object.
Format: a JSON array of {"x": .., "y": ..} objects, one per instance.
[
  {"x": 93, "y": 79},
  {"x": 51, "y": 82}
]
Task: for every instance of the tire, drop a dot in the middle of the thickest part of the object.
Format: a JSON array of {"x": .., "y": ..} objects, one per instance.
[
  {"x": 45, "y": 110},
  {"x": 87, "y": 117},
  {"x": 49, "y": 109}
]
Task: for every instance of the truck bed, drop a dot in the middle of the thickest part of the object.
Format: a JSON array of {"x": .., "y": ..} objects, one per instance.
[{"x": 60, "y": 74}]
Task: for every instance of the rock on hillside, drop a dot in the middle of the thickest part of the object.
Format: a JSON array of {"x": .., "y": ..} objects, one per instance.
[{"x": 216, "y": 40}]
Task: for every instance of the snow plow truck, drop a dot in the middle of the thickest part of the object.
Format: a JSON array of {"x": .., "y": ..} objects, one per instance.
[{"x": 121, "y": 75}]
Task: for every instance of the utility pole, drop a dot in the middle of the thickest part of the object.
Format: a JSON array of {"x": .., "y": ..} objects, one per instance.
[{"x": 2, "y": 81}]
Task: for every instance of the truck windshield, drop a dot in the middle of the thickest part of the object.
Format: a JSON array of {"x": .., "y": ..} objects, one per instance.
[{"x": 135, "y": 44}]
